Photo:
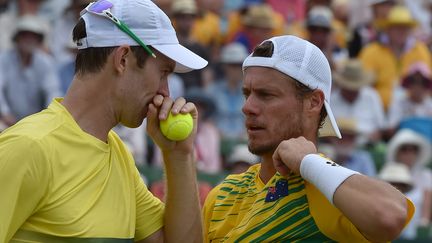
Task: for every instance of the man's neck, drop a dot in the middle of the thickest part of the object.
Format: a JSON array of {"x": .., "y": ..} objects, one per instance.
[
  {"x": 267, "y": 170},
  {"x": 91, "y": 108}
]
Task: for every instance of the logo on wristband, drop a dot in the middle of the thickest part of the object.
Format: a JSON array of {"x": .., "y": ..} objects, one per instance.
[{"x": 332, "y": 163}]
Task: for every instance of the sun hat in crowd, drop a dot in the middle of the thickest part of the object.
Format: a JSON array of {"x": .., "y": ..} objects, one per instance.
[
  {"x": 399, "y": 15},
  {"x": 241, "y": 153},
  {"x": 320, "y": 16},
  {"x": 148, "y": 22},
  {"x": 184, "y": 7},
  {"x": 394, "y": 172},
  {"x": 304, "y": 62},
  {"x": 260, "y": 16},
  {"x": 233, "y": 53},
  {"x": 408, "y": 136},
  {"x": 353, "y": 76},
  {"x": 31, "y": 23},
  {"x": 347, "y": 125},
  {"x": 418, "y": 68}
]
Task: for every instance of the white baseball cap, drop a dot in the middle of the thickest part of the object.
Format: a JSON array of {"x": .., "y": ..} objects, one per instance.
[
  {"x": 32, "y": 24},
  {"x": 234, "y": 53},
  {"x": 149, "y": 23},
  {"x": 241, "y": 153},
  {"x": 304, "y": 62}
]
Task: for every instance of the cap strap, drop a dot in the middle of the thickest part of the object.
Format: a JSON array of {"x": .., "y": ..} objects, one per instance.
[{"x": 82, "y": 43}]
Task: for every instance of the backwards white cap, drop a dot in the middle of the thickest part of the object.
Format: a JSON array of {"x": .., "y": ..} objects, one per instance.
[
  {"x": 304, "y": 62},
  {"x": 149, "y": 23}
]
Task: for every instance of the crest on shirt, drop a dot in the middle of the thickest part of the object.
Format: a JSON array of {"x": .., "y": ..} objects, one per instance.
[{"x": 278, "y": 191}]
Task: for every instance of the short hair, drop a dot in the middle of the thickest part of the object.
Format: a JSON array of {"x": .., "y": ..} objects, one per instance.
[
  {"x": 266, "y": 49},
  {"x": 93, "y": 59}
]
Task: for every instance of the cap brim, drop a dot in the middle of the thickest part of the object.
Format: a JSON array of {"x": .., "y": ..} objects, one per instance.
[
  {"x": 330, "y": 127},
  {"x": 185, "y": 59}
]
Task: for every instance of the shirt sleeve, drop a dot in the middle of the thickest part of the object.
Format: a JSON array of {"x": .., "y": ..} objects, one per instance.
[
  {"x": 24, "y": 180},
  {"x": 330, "y": 220},
  {"x": 149, "y": 210}
]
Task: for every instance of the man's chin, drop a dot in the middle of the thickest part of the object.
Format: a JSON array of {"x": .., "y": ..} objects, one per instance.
[
  {"x": 261, "y": 150},
  {"x": 132, "y": 124}
]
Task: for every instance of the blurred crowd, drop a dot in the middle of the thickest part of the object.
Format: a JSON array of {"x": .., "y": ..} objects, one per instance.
[{"x": 379, "y": 51}]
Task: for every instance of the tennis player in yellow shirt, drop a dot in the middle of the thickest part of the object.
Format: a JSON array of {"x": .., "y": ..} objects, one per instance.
[{"x": 294, "y": 194}]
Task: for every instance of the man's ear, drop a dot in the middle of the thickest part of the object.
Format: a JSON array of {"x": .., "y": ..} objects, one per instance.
[
  {"x": 313, "y": 103},
  {"x": 120, "y": 58}
]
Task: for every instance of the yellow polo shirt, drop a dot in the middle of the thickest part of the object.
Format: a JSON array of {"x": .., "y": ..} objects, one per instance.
[{"x": 60, "y": 184}]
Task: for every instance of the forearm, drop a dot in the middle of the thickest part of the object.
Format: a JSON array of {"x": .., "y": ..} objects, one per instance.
[
  {"x": 377, "y": 209},
  {"x": 182, "y": 218}
]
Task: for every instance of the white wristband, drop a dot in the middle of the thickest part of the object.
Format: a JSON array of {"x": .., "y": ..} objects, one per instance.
[{"x": 324, "y": 174}]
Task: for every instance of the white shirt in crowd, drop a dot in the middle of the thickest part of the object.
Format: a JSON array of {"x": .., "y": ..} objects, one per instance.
[
  {"x": 402, "y": 107},
  {"x": 367, "y": 110}
]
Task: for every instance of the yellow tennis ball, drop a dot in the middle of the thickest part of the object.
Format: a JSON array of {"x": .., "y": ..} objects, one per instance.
[{"x": 178, "y": 127}]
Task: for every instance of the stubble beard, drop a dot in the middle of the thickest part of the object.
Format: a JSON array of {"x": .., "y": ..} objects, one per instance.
[{"x": 295, "y": 131}]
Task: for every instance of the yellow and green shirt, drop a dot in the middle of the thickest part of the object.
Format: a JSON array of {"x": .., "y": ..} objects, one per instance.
[
  {"x": 60, "y": 184},
  {"x": 244, "y": 209}
]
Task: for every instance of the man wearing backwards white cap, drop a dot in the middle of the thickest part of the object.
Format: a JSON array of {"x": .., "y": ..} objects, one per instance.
[
  {"x": 66, "y": 177},
  {"x": 294, "y": 194}
]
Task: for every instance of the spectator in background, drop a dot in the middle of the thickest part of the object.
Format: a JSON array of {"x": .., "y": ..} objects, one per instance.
[
  {"x": 62, "y": 32},
  {"x": 346, "y": 152},
  {"x": 293, "y": 10},
  {"x": 399, "y": 176},
  {"x": 354, "y": 98},
  {"x": 206, "y": 29},
  {"x": 397, "y": 49},
  {"x": 417, "y": 100},
  {"x": 236, "y": 19},
  {"x": 413, "y": 150},
  {"x": 30, "y": 78},
  {"x": 257, "y": 25},
  {"x": 366, "y": 33},
  {"x": 184, "y": 16},
  {"x": 227, "y": 93},
  {"x": 207, "y": 143},
  {"x": 9, "y": 19},
  {"x": 319, "y": 32},
  {"x": 240, "y": 159}
]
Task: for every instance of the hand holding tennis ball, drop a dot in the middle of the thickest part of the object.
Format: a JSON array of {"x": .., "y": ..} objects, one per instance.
[{"x": 177, "y": 127}]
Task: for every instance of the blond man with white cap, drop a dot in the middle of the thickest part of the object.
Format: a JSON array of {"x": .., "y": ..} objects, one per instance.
[
  {"x": 67, "y": 177},
  {"x": 294, "y": 194}
]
